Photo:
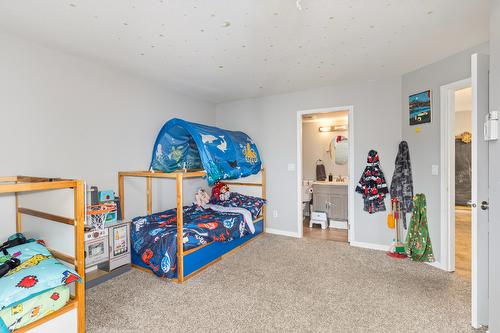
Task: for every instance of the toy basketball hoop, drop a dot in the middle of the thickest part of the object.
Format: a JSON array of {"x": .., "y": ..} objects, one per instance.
[{"x": 98, "y": 213}]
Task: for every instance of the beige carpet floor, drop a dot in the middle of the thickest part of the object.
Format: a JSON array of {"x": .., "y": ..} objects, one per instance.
[{"x": 282, "y": 284}]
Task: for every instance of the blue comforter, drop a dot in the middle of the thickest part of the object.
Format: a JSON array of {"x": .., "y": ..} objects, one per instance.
[{"x": 154, "y": 237}]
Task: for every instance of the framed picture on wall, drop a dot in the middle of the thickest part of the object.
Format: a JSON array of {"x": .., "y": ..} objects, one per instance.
[{"x": 420, "y": 107}]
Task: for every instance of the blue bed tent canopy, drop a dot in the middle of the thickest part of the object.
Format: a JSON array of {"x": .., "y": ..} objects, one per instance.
[{"x": 223, "y": 154}]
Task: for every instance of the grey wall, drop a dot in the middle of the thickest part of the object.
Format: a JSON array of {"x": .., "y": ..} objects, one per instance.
[
  {"x": 63, "y": 116},
  {"x": 425, "y": 145},
  {"x": 494, "y": 279},
  {"x": 314, "y": 147},
  {"x": 272, "y": 122}
]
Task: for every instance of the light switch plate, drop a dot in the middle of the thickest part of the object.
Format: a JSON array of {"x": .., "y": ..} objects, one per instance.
[
  {"x": 291, "y": 167},
  {"x": 435, "y": 170}
]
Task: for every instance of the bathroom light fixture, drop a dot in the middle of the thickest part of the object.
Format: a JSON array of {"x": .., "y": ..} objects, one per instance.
[{"x": 325, "y": 129}]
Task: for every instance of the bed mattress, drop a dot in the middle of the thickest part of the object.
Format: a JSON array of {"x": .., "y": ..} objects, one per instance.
[
  {"x": 154, "y": 237},
  {"x": 32, "y": 309}
]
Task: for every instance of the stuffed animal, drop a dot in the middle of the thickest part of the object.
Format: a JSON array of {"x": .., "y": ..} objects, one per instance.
[
  {"x": 201, "y": 197},
  {"x": 220, "y": 192}
]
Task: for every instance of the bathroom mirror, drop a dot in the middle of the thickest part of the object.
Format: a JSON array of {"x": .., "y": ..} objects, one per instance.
[{"x": 341, "y": 148}]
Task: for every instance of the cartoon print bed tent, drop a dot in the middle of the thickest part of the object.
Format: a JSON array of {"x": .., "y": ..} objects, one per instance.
[{"x": 223, "y": 154}]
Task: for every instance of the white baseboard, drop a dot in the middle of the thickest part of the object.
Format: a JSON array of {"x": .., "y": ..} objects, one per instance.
[
  {"x": 338, "y": 224},
  {"x": 282, "y": 232},
  {"x": 371, "y": 246}
]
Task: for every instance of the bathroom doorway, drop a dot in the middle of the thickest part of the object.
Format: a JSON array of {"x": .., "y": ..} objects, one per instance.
[
  {"x": 463, "y": 181},
  {"x": 324, "y": 177}
]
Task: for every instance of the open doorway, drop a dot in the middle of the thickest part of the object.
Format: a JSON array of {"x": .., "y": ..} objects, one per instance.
[
  {"x": 325, "y": 164},
  {"x": 463, "y": 182},
  {"x": 453, "y": 217}
]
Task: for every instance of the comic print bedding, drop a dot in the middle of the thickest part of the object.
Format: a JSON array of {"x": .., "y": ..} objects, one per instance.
[
  {"x": 25, "y": 312},
  {"x": 154, "y": 237}
]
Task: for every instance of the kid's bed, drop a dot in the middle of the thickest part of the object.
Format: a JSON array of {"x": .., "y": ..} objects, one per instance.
[
  {"x": 206, "y": 237},
  {"x": 186, "y": 150},
  {"x": 36, "y": 291}
]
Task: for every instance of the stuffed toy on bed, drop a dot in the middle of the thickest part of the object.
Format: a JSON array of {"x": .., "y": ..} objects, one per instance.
[
  {"x": 220, "y": 192},
  {"x": 201, "y": 198}
]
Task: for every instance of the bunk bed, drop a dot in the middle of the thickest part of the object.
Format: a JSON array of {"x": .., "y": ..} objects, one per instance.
[
  {"x": 22, "y": 184},
  {"x": 186, "y": 150},
  {"x": 194, "y": 260}
]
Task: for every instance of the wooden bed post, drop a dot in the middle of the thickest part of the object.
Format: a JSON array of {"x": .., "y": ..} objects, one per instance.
[
  {"x": 263, "y": 188},
  {"x": 121, "y": 192},
  {"x": 149, "y": 195},
  {"x": 180, "y": 226},
  {"x": 19, "y": 226},
  {"x": 79, "y": 212}
]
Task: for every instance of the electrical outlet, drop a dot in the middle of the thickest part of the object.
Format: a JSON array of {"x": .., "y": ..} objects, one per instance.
[
  {"x": 435, "y": 170},
  {"x": 275, "y": 213}
]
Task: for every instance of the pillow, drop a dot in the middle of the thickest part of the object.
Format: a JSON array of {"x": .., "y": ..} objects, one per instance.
[
  {"x": 252, "y": 204},
  {"x": 38, "y": 272}
]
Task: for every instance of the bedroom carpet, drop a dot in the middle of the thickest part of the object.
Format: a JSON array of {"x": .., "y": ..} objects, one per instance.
[{"x": 285, "y": 284}]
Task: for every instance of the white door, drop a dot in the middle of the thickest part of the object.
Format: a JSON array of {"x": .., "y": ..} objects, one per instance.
[{"x": 480, "y": 108}]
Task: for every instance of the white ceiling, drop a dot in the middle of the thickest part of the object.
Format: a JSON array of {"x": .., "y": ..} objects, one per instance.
[{"x": 224, "y": 50}]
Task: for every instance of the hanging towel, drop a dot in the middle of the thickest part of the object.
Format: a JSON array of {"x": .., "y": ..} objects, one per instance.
[
  {"x": 402, "y": 181},
  {"x": 320, "y": 171},
  {"x": 372, "y": 185},
  {"x": 418, "y": 242}
]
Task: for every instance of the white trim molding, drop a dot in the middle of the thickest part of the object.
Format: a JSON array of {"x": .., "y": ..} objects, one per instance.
[
  {"x": 371, "y": 246},
  {"x": 350, "y": 192},
  {"x": 447, "y": 110},
  {"x": 282, "y": 232}
]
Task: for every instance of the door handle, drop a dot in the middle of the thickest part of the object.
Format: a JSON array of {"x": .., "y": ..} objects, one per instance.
[
  {"x": 471, "y": 204},
  {"x": 485, "y": 205}
]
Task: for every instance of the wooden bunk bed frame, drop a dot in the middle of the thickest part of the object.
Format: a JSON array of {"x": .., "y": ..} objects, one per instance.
[
  {"x": 19, "y": 184},
  {"x": 179, "y": 176}
]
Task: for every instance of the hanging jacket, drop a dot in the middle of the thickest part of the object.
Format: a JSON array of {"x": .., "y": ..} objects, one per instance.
[
  {"x": 372, "y": 185},
  {"x": 402, "y": 181},
  {"x": 418, "y": 242}
]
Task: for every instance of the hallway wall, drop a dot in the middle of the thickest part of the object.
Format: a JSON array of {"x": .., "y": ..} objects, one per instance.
[{"x": 424, "y": 146}]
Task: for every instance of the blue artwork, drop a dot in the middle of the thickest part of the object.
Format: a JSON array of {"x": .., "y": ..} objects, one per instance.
[
  {"x": 420, "y": 108},
  {"x": 223, "y": 154}
]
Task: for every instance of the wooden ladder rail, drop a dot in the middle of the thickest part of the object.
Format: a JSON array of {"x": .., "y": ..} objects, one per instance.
[
  {"x": 79, "y": 215},
  {"x": 180, "y": 229}
]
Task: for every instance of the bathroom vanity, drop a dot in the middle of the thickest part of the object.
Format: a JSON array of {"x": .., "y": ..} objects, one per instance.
[{"x": 331, "y": 197}]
